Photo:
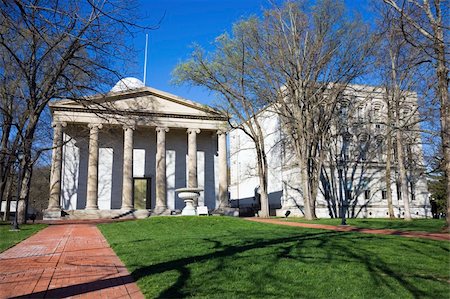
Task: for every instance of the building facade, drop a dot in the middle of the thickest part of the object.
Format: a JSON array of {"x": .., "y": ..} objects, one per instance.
[
  {"x": 354, "y": 173},
  {"x": 123, "y": 154}
]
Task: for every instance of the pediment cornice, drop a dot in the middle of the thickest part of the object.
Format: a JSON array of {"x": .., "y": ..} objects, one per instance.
[{"x": 148, "y": 102}]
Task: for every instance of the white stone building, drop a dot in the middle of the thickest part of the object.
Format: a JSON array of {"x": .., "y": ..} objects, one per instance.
[
  {"x": 123, "y": 154},
  {"x": 362, "y": 178}
]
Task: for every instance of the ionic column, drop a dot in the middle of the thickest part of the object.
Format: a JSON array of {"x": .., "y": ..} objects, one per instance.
[
  {"x": 127, "y": 187},
  {"x": 92, "y": 184},
  {"x": 55, "y": 175},
  {"x": 223, "y": 177},
  {"x": 192, "y": 157},
  {"x": 161, "y": 204}
]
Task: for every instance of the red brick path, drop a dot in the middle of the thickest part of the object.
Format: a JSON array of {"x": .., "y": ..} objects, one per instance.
[
  {"x": 425, "y": 235},
  {"x": 70, "y": 260}
]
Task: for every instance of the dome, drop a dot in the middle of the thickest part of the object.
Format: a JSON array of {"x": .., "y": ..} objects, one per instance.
[{"x": 127, "y": 84}]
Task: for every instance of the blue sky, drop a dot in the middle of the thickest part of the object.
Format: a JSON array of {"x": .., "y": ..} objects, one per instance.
[{"x": 186, "y": 22}]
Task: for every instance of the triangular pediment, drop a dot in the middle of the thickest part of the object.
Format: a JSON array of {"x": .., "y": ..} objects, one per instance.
[{"x": 142, "y": 100}]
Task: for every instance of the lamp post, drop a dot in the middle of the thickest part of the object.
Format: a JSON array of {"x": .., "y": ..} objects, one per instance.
[{"x": 15, "y": 224}]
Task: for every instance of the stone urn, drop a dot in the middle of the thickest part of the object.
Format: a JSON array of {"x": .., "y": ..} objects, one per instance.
[{"x": 189, "y": 195}]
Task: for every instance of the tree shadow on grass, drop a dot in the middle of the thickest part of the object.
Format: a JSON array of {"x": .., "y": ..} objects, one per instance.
[
  {"x": 181, "y": 265},
  {"x": 380, "y": 272},
  {"x": 285, "y": 248}
]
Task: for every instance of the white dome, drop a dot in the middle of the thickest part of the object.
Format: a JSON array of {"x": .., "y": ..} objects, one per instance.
[{"x": 127, "y": 84}]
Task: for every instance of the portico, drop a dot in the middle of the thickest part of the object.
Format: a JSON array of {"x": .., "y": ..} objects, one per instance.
[{"x": 124, "y": 153}]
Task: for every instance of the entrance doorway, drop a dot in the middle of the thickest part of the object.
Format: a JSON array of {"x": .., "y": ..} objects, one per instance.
[{"x": 142, "y": 193}]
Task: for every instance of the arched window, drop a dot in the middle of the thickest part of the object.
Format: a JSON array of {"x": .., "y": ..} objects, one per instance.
[
  {"x": 376, "y": 111},
  {"x": 380, "y": 147},
  {"x": 346, "y": 142},
  {"x": 343, "y": 109},
  {"x": 360, "y": 113},
  {"x": 405, "y": 113},
  {"x": 363, "y": 140}
]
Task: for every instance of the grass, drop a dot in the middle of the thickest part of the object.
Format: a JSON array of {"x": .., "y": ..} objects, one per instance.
[
  {"x": 424, "y": 225},
  {"x": 221, "y": 257},
  {"x": 11, "y": 238}
]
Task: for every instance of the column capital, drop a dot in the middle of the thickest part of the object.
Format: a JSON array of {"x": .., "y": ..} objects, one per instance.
[
  {"x": 160, "y": 129},
  {"x": 195, "y": 131},
  {"x": 221, "y": 132},
  {"x": 95, "y": 126},
  {"x": 129, "y": 126},
  {"x": 62, "y": 124}
]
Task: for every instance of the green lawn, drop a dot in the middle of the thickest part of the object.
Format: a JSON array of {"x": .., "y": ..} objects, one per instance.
[
  {"x": 11, "y": 238},
  {"x": 222, "y": 257},
  {"x": 424, "y": 225}
]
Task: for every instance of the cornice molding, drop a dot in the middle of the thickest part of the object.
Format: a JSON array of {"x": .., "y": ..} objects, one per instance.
[{"x": 142, "y": 113}]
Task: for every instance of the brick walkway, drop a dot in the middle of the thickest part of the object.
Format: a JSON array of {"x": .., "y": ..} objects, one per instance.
[
  {"x": 425, "y": 235},
  {"x": 70, "y": 260}
]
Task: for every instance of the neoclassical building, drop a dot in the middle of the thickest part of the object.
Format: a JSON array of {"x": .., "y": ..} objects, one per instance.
[
  {"x": 354, "y": 171},
  {"x": 123, "y": 154}
]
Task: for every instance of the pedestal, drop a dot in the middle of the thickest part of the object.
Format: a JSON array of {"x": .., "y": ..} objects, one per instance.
[
  {"x": 289, "y": 204},
  {"x": 189, "y": 209},
  {"x": 189, "y": 195}
]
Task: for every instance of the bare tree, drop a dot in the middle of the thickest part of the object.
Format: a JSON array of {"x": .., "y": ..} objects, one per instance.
[
  {"x": 230, "y": 72},
  {"x": 61, "y": 49},
  {"x": 424, "y": 27},
  {"x": 308, "y": 56},
  {"x": 298, "y": 60},
  {"x": 399, "y": 79},
  {"x": 389, "y": 151}
]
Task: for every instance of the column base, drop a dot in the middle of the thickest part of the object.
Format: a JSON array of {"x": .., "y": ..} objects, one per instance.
[
  {"x": 141, "y": 214},
  {"x": 226, "y": 211},
  {"x": 52, "y": 214},
  {"x": 160, "y": 211},
  {"x": 92, "y": 208},
  {"x": 127, "y": 208}
]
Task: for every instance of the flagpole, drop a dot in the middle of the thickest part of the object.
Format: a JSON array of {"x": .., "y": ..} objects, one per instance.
[{"x": 145, "y": 59}]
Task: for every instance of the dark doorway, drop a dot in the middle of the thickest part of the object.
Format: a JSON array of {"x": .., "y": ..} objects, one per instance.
[{"x": 142, "y": 193}]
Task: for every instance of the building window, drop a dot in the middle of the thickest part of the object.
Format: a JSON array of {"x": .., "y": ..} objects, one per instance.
[
  {"x": 360, "y": 113},
  {"x": 405, "y": 113},
  {"x": 363, "y": 146},
  {"x": 383, "y": 194},
  {"x": 343, "y": 112},
  {"x": 376, "y": 111},
  {"x": 346, "y": 141},
  {"x": 367, "y": 194},
  {"x": 348, "y": 193},
  {"x": 380, "y": 147}
]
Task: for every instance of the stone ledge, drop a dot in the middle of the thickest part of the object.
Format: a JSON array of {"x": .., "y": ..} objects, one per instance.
[
  {"x": 96, "y": 214},
  {"x": 52, "y": 214},
  {"x": 226, "y": 212}
]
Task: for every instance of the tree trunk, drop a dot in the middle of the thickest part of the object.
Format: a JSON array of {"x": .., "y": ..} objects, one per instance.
[
  {"x": 396, "y": 97},
  {"x": 262, "y": 173},
  {"x": 2, "y": 191},
  {"x": 4, "y": 156},
  {"x": 388, "y": 181},
  {"x": 8, "y": 195},
  {"x": 314, "y": 180},
  {"x": 309, "y": 211},
  {"x": 442, "y": 76},
  {"x": 403, "y": 177},
  {"x": 265, "y": 213},
  {"x": 388, "y": 177},
  {"x": 24, "y": 191}
]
